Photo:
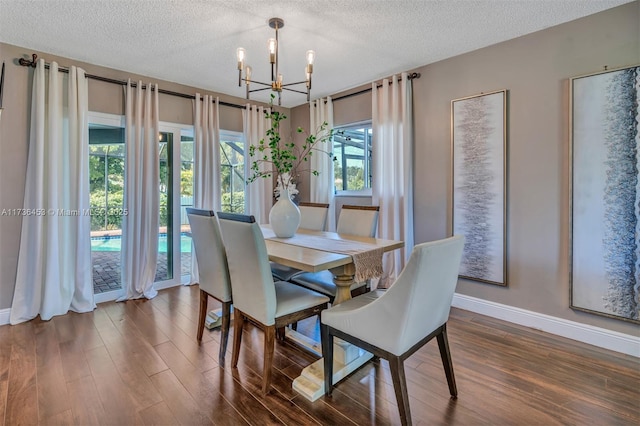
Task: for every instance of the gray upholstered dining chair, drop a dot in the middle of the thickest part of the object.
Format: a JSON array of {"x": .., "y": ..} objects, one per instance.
[
  {"x": 213, "y": 271},
  {"x": 420, "y": 301},
  {"x": 361, "y": 221},
  {"x": 313, "y": 216},
  {"x": 256, "y": 297}
]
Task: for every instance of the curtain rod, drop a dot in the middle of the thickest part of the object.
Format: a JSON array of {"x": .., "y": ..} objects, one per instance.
[
  {"x": 32, "y": 63},
  {"x": 411, "y": 76}
]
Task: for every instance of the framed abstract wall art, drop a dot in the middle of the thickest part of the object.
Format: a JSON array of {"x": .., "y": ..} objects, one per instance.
[
  {"x": 479, "y": 152},
  {"x": 605, "y": 193}
]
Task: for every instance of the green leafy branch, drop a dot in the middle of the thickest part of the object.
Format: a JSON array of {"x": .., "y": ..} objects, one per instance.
[{"x": 285, "y": 157}]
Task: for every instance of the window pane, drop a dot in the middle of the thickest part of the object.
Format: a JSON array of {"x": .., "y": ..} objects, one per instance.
[
  {"x": 232, "y": 176},
  {"x": 106, "y": 190},
  {"x": 186, "y": 200},
  {"x": 352, "y": 149},
  {"x": 164, "y": 268}
]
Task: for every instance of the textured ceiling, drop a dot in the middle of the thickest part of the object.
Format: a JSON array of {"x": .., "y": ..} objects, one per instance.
[{"x": 356, "y": 41}]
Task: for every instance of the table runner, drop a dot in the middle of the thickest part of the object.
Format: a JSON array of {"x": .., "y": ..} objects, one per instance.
[{"x": 367, "y": 258}]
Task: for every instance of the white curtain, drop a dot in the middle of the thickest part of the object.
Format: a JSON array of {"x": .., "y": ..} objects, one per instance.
[
  {"x": 206, "y": 164},
  {"x": 141, "y": 192},
  {"x": 322, "y": 186},
  {"x": 259, "y": 194},
  {"x": 393, "y": 169},
  {"x": 54, "y": 265}
]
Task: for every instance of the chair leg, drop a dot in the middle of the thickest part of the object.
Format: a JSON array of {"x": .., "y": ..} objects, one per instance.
[
  {"x": 327, "y": 355},
  {"x": 280, "y": 334},
  {"x": 204, "y": 299},
  {"x": 269, "y": 345},
  {"x": 445, "y": 354},
  {"x": 294, "y": 326},
  {"x": 400, "y": 387},
  {"x": 238, "y": 319},
  {"x": 224, "y": 331}
]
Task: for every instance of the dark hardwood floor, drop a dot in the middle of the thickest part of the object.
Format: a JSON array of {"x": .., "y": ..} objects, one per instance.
[{"x": 139, "y": 363}]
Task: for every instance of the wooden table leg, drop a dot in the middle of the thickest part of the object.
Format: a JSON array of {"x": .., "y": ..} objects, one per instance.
[
  {"x": 343, "y": 279},
  {"x": 310, "y": 383}
]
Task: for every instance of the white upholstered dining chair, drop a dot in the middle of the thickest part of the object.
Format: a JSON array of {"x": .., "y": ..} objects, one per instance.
[
  {"x": 395, "y": 323},
  {"x": 313, "y": 216},
  {"x": 256, "y": 297},
  {"x": 361, "y": 221},
  {"x": 214, "y": 278}
]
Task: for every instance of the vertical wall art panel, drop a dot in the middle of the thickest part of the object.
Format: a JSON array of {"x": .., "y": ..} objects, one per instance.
[
  {"x": 478, "y": 143},
  {"x": 605, "y": 265}
]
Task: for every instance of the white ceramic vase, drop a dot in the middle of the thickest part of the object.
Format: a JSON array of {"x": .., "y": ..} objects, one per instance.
[{"x": 284, "y": 216}]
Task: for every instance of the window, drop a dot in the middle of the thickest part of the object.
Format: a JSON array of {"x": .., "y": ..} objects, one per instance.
[
  {"x": 352, "y": 149},
  {"x": 232, "y": 171}
]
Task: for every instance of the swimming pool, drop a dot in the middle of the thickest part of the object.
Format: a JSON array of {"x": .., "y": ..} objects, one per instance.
[{"x": 112, "y": 243}]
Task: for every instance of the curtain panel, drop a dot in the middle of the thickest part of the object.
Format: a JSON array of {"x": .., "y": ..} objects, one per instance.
[
  {"x": 54, "y": 265},
  {"x": 259, "y": 198},
  {"x": 206, "y": 164},
  {"x": 321, "y": 187},
  {"x": 393, "y": 169},
  {"x": 141, "y": 192}
]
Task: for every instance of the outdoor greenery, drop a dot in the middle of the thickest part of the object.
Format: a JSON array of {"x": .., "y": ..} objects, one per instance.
[
  {"x": 106, "y": 181},
  {"x": 355, "y": 177},
  {"x": 106, "y": 186}
]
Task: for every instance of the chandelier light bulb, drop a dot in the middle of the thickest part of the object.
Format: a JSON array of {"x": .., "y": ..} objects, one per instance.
[
  {"x": 273, "y": 46},
  {"x": 241, "y": 54},
  {"x": 311, "y": 56},
  {"x": 248, "y": 74}
]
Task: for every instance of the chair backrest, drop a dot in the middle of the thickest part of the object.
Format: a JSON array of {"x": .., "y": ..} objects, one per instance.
[
  {"x": 313, "y": 216},
  {"x": 423, "y": 292},
  {"x": 254, "y": 292},
  {"x": 361, "y": 221},
  {"x": 210, "y": 254}
]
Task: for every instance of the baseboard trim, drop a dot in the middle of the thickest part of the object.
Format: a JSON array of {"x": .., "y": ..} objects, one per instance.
[
  {"x": 5, "y": 314},
  {"x": 585, "y": 333}
]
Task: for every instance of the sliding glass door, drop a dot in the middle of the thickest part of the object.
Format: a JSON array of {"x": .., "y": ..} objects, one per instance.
[
  {"x": 106, "y": 186},
  {"x": 176, "y": 188},
  {"x": 106, "y": 191}
]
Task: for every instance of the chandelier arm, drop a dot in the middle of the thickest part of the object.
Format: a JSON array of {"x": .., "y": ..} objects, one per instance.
[
  {"x": 257, "y": 82},
  {"x": 293, "y": 84},
  {"x": 294, "y": 90},
  {"x": 259, "y": 90}
]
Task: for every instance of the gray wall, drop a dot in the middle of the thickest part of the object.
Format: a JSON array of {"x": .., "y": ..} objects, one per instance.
[
  {"x": 103, "y": 97},
  {"x": 535, "y": 70}
]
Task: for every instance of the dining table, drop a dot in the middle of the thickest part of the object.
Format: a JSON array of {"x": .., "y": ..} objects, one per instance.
[
  {"x": 349, "y": 258},
  {"x": 314, "y": 251}
]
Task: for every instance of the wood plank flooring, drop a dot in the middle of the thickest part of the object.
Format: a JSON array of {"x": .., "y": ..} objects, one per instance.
[{"x": 139, "y": 363}]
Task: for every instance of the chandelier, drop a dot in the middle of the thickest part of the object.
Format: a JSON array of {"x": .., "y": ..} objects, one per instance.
[{"x": 277, "y": 85}]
